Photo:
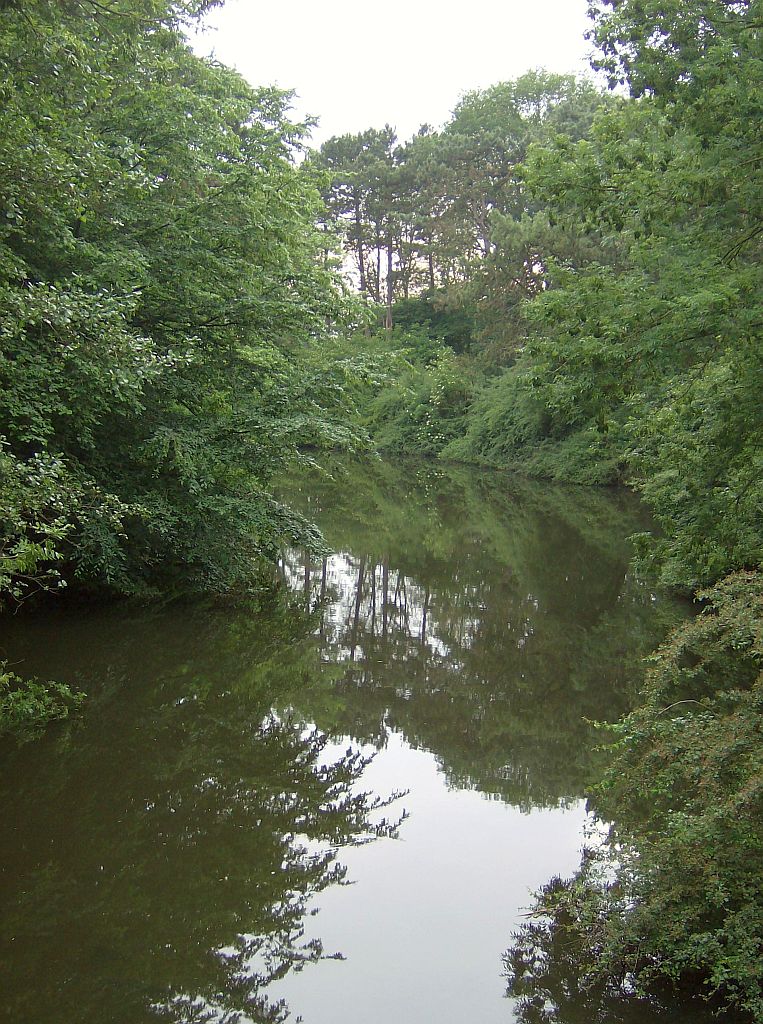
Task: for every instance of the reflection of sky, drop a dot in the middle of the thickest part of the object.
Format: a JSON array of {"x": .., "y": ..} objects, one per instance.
[
  {"x": 429, "y": 915},
  {"x": 425, "y": 923}
]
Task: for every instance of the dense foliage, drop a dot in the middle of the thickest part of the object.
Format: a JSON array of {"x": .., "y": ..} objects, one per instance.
[
  {"x": 603, "y": 258},
  {"x": 569, "y": 282},
  {"x": 676, "y": 894},
  {"x": 162, "y": 283}
]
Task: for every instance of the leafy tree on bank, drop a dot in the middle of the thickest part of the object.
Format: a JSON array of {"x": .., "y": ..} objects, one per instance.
[
  {"x": 644, "y": 352},
  {"x": 161, "y": 293},
  {"x": 674, "y": 898}
]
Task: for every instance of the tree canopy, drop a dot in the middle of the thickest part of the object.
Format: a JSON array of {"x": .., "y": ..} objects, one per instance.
[{"x": 162, "y": 293}]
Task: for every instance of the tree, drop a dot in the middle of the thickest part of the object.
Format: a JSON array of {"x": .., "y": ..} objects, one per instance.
[
  {"x": 161, "y": 292},
  {"x": 355, "y": 166}
]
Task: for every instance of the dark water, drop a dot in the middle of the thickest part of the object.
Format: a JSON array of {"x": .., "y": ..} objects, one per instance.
[{"x": 415, "y": 721}]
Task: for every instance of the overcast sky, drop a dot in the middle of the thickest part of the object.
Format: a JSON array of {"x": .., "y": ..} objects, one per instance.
[{"x": 360, "y": 65}]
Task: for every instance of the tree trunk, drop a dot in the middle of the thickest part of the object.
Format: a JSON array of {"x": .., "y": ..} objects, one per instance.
[
  {"x": 388, "y": 322},
  {"x": 424, "y": 616},
  {"x": 323, "y": 596},
  {"x": 378, "y": 266},
  {"x": 361, "y": 254},
  {"x": 385, "y": 595}
]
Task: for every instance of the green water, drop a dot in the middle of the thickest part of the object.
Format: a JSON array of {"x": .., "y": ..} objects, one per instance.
[{"x": 415, "y": 719}]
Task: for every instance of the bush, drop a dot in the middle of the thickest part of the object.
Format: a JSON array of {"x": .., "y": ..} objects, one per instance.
[
  {"x": 675, "y": 896},
  {"x": 424, "y": 408}
]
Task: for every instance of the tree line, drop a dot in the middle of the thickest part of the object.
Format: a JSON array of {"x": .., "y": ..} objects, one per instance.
[{"x": 420, "y": 215}]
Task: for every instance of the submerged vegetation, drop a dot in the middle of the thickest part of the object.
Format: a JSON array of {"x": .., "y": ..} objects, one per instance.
[
  {"x": 27, "y": 705},
  {"x": 560, "y": 280}
]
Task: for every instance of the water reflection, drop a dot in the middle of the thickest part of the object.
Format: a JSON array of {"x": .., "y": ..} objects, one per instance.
[
  {"x": 162, "y": 856},
  {"x": 548, "y": 973},
  {"x": 490, "y": 627}
]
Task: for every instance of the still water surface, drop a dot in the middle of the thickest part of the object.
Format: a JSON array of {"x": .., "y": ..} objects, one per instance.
[{"x": 333, "y": 810}]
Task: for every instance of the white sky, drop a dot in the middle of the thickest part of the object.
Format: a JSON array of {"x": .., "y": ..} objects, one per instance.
[{"x": 359, "y": 65}]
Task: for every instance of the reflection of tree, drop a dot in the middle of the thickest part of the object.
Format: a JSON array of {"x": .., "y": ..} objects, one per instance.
[
  {"x": 167, "y": 858},
  {"x": 171, "y": 847},
  {"x": 548, "y": 969},
  {"x": 492, "y": 628}
]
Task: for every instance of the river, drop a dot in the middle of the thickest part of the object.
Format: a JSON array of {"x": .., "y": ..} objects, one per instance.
[{"x": 333, "y": 806}]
